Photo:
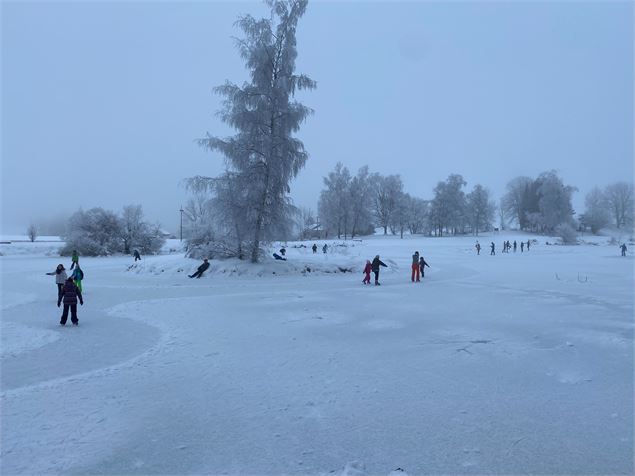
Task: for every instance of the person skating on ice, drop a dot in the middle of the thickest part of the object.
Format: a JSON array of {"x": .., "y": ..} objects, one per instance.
[
  {"x": 70, "y": 295},
  {"x": 201, "y": 269},
  {"x": 60, "y": 278},
  {"x": 375, "y": 267}
]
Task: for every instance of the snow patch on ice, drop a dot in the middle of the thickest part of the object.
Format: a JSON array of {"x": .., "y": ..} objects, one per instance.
[{"x": 17, "y": 338}]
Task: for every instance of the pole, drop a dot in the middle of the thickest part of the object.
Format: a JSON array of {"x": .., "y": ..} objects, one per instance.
[{"x": 181, "y": 210}]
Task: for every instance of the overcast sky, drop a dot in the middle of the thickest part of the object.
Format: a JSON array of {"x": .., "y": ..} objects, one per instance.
[{"x": 102, "y": 102}]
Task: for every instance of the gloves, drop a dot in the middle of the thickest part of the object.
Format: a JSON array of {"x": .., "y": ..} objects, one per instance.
[
  {"x": 81, "y": 303},
  {"x": 59, "y": 304}
]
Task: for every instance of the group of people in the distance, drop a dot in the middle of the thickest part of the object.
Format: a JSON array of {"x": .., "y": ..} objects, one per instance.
[
  {"x": 69, "y": 289},
  {"x": 507, "y": 247}
]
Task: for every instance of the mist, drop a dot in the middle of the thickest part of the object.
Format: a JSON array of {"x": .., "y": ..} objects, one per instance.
[{"x": 102, "y": 103}]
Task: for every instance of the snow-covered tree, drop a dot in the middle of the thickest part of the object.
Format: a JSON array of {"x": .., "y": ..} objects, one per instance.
[
  {"x": 447, "y": 209},
  {"x": 418, "y": 210},
  {"x": 514, "y": 202},
  {"x": 619, "y": 197},
  {"x": 264, "y": 156},
  {"x": 480, "y": 209},
  {"x": 132, "y": 226},
  {"x": 596, "y": 216},
  {"x": 95, "y": 232},
  {"x": 31, "y": 232},
  {"x": 385, "y": 195},
  {"x": 334, "y": 206},
  {"x": 360, "y": 199},
  {"x": 554, "y": 201}
]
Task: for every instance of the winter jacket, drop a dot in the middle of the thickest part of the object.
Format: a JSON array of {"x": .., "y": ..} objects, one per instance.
[
  {"x": 74, "y": 257},
  {"x": 60, "y": 276},
  {"x": 368, "y": 268},
  {"x": 376, "y": 264},
  {"x": 415, "y": 258},
  {"x": 422, "y": 263},
  {"x": 203, "y": 267},
  {"x": 70, "y": 294},
  {"x": 78, "y": 274}
]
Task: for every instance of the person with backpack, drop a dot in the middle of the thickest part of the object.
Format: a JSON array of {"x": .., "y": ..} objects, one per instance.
[
  {"x": 70, "y": 295},
  {"x": 422, "y": 264},
  {"x": 201, "y": 269},
  {"x": 60, "y": 278},
  {"x": 375, "y": 267},
  {"x": 78, "y": 276},
  {"x": 367, "y": 269}
]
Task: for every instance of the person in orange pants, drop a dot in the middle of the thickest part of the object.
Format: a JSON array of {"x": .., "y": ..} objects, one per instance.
[{"x": 415, "y": 267}]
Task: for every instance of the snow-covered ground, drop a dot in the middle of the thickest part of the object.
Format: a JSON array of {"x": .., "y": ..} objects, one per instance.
[{"x": 506, "y": 364}]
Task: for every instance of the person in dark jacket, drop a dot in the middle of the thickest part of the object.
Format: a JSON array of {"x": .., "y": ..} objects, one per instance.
[
  {"x": 60, "y": 278},
  {"x": 623, "y": 248},
  {"x": 422, "y": 264},
  {"x": 283, "y": 251},
  {"x": 528, "y": 243},
  {"x": 478, "y": 248},
  {"x": 493, "y": 248},
  {"x": 201, "y": 269},
  {"x": 278, "y": 257},
  {"x": 375, "y": 267},
  {"x": 136, "y": 255},
  {"x": 515, "y": 245},
  {"x": 522, "y": 246},
  {"x": 325, "y": 248},
  {"x": 70, "y": 294},
  {"x": 314, "y": 248}
]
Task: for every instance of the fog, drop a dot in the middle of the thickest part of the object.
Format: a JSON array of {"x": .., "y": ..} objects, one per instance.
[{"x": 102, "y": 102}]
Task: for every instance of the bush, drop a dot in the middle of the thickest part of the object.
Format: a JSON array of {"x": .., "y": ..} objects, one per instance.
[{"x": 567, "y": 234}]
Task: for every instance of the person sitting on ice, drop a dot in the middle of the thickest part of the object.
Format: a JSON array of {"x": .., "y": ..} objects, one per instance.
[
  {"x": 278, "y": 257},
  {"x": 283, "y": 251},
  {"x": 201, "y": 269}
]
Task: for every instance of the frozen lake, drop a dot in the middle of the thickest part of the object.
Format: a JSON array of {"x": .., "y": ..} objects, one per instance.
[{"x": 506, "y": 364}]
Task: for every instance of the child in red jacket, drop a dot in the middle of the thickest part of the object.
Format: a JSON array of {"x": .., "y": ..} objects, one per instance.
[{"x": 367, "y": 270}]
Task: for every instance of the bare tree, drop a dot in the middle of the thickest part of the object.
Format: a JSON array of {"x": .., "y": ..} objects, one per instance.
[
  {"x": 31, "y": 232},
  {"x": 619, "y": 197}
]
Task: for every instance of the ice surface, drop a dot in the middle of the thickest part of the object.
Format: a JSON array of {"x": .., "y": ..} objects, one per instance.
[{"x": 515, "y": 363}]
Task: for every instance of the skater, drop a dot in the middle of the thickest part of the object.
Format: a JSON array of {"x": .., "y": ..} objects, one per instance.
[
  {"x": 493, "y": 247},
  {"x": 522, "y": 246},
  {"x": 375, "y": 267},
  {"x": 278, "y": 257},
  {"x": 422, "y": 265},
  {"x": 137, "y": 256},
  {"x": 478, "y": 248},
  {"x": 415, "y": 267},
  {"x": 623, "y": 248},
  {"x": 60, "y": 278},
  {"x": 74, "y": 259},
  {"x": 78, "y": 276},
  {"x": 325, "y": 248},
  {"x": 314, "y": 248},
  {"x": 527, "y": 245},
  {"x": 515, "y": 244},
  {"x": 201, "y": 269},
  {"x": 367, "y": 269},
  {"x": 283, "y": 251},
  {"x": 70, "y": 294}
]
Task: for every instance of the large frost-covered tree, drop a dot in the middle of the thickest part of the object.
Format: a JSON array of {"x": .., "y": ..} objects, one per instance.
[
  {"x": 620, "y": 203},
  {"x": 334, "y": 206},
  {"x": 514, "y": 202},
  {"x": 480, "y": 209},
  {"x": 596, "y": 214},
  {"x": 386, "y": 193},
  {"x": 264, "y": 156},
  {"x": 447, "y": 210}
]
